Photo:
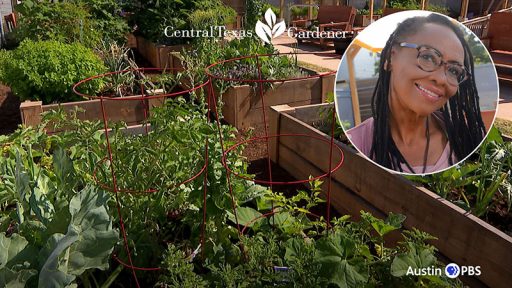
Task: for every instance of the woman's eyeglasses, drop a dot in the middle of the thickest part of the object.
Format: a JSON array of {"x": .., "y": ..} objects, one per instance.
[{"x": 430, "y": 59}]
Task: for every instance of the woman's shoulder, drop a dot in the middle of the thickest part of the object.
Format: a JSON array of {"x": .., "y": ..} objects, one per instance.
[{"x": 361, "y": 136}]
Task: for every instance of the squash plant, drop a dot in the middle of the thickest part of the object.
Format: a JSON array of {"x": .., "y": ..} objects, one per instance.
[{"x": 290, "y": 249}]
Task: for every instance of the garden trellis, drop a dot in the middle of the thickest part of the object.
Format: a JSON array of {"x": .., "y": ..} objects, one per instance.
[
  {"x": 253, "y": 64},
  {"x": 114, "y": 180},
  {"x": 147, "y": 132}
]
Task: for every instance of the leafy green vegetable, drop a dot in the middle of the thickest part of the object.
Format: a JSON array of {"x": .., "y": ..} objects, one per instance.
[{"x": 47, "y": 70}]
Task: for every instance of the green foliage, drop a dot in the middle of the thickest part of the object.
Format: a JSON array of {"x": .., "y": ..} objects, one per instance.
[
  {"x": 61, "y": 225},
  {"x": 339, "y": 261},
  {"x": 302, "y": 12},
  {"x": 48, "y": 196},
  {"x": 416, "y": 5},
  {"x": 106, "y": 18},
  {"x": 211, "y": 13},
  {"x": 253, "y": 12},
  {"x": 274, "y": 9},
  {"x": 179, "y": 271},
  {"x": 208, "y": 51},
  {"x": 480, "y": 186},
  {"x": 152, "y": 17},
  {"x": 58, "y": 21},
  {"x": 4, "y": 57},
  {"x": 480, "y": 54},
  {"x": 47, "y": 70},
  {"x": 86, "y": 22}
]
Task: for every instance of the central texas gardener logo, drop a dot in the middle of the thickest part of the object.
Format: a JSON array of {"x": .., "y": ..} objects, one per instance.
[{"x": 271, "y": 30}]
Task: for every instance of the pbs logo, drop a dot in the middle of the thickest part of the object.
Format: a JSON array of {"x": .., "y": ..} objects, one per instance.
[{"x": 453, "y": 270}]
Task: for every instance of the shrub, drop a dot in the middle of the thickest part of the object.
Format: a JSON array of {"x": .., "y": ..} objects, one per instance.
[
  {"x": 4, "y": 55},
  {"x": 211, "y": 13},
  {"x": 153, "y": 17},
  {"x": 107, "y": 18},
  {"x": 60, "y": 21},
  {"x": 47, "y": 70},
  {"x": 81, "y": 21}
]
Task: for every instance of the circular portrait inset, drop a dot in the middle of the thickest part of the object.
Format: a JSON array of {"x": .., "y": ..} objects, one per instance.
[{"x": 416, "y": 92}]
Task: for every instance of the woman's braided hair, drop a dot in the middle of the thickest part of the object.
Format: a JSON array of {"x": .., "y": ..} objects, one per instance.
[{"x": 463, "y": 121}]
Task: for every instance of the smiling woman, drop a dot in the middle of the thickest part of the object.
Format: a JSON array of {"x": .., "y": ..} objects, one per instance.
[{"x": 425, "y": 104}]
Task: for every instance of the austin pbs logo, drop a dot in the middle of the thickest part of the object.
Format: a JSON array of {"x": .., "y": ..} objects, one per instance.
[{"x": 453, "y": 270}]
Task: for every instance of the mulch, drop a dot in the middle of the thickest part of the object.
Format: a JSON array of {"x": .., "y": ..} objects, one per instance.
[{"x": 10, "y": 116}]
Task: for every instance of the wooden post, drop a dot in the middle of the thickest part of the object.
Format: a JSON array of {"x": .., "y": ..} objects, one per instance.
[
  {"x": 423, "y": 4},
  {"x": 351, "y": 54},
  {"x": 464, "y": 10},
  {"x": 384, "y": 4},
  {"x": 505, "y": 4},
  {"x": 310, "y": 10},
  {"x": 281, "y": 9},
  {"x": 371, "y": 11},
  {"x": 31, "y": 112},
  {"x": 488, "y": 10}
]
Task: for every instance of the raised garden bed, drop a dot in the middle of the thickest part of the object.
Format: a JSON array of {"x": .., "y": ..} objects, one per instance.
[
  {"x": 361, "y": 185},
  {"x": 243, "y": 105},
  {"x": 158, "y": 55},
  {"x": 130, "y": 112}
]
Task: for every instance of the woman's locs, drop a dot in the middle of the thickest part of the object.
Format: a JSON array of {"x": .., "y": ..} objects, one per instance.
[{"x": 425, "y": 105}]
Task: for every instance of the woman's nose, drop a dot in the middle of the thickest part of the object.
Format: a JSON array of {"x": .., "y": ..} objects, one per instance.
[{"x": 439, "y": 76}]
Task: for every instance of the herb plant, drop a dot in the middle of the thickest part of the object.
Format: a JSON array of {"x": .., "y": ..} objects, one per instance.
[
  {"x": 86, "y": 22},
  {"x": 46, "y": 70}
]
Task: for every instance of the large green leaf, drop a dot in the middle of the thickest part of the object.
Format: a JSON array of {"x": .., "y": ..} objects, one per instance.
[
  {"x": 22, "y": 185},
  {"x": 54, "y": 272},
  {"x": 246, "y": 216},
  {"x": 383, "y": 227},
  {"x": 96, "y": 235},
  {"x": 416, "y": 257},
  {"x": 15, "y": 279},
  {"x": 39, "y": 200},
  {"x": 336, "y": 255},
  {"x": 10, "y": 247},
  {"x": 64, "y": 170},
  {"x": 88, "y": 243},
  {"x": 14, "y": 254},
  {"x": 295, "y": 247}
]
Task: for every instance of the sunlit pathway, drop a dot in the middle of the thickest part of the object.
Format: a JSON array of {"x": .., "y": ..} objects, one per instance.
[
  {"x": 319, "y": 57},
  {"x": 505, "y": 105}
]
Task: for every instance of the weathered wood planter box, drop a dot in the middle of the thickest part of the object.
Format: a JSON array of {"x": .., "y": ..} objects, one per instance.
[
  {"x": 158, "y": 55},
  {"x": 364, "y": 20},
  {"x": 243, "y": 105},
  {"x": 130, "y": 112},
  {"x": 360, "y": 185}
]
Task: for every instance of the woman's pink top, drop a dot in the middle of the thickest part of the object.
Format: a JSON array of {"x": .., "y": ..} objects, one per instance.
[{"x": 362, "y": 138}]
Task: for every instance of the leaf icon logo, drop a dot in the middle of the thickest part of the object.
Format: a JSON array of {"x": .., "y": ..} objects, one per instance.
[{"x": 270, "y": 30}]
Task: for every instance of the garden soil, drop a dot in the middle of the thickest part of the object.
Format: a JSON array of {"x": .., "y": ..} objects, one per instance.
[
  {"x": 10, "y": 116},
  {"x": 256, "y": 154}
]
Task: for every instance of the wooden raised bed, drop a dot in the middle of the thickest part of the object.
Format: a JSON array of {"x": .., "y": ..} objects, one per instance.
[
  {"x": 243, "y": 105},
  {"x": 361, "y": 185},
  {"x": 158, "y": 55},
  {"x": 130, "y": 112}
]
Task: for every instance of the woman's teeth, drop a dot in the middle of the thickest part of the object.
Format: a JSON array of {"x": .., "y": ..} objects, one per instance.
[{"x": 430, "y": 93}]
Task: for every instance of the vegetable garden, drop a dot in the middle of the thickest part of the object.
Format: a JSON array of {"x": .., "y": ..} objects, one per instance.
[{"x": 123, "y": 176}]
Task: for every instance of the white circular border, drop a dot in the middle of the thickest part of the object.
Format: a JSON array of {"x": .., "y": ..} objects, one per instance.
[{"x": 389, "y": 23}]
